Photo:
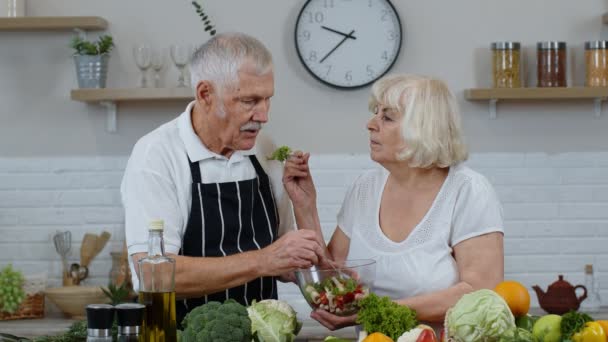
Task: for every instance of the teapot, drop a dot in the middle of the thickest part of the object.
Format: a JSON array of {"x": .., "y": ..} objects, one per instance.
[{"x": 560, "y": 297}]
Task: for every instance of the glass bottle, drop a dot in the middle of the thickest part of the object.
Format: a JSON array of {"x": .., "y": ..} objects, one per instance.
[
  {"x": 100, "y": 318},
  {"x": 551, "y": 64},
  {"x": 157, "y": 288},
  {"x": 596, "y": 62},
  {"x": 592, "y": 302},
  {"x": 506, "y": 64},
  {"x": 130, "y": 318}
]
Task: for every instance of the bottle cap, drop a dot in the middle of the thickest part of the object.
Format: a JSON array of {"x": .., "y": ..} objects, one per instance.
[
  {"x": 156, "y": 225},
  {"x": 589, "y": 269},
  {"x": 130, "y": 314},
  {"x": 100, "y": 316}
]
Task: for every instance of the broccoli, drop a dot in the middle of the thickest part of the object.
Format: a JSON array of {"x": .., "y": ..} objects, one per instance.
[
  {"x": 217, "y": 322},
  {"x": 280, "y": 154}
]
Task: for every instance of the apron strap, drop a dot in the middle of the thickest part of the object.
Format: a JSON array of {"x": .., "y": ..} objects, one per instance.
[
  {"x": 258, "y": 168},
  {"x": 195, "y": 170}
]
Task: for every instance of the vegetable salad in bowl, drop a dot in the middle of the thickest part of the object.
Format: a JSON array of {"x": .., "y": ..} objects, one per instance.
[{"x": 339, "y": 288}]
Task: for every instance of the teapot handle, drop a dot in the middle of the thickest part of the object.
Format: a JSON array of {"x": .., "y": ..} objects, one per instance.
[{"x": 581, "y": 298}]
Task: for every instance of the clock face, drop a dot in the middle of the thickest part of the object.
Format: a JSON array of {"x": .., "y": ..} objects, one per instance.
[{"x": 348, "y": 43}]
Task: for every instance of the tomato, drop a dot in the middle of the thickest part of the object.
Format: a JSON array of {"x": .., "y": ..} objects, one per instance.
[
  {"x": 427, "y": 335},
  {"x": 349, "y": 297},
  {"x": 323, "y": 299}
]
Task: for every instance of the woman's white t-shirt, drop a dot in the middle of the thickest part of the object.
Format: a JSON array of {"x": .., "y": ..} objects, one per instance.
[{"x": 466, "y": 206}]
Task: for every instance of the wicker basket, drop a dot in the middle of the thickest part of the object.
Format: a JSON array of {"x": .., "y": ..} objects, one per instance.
[{"x": 33, "y": 304}]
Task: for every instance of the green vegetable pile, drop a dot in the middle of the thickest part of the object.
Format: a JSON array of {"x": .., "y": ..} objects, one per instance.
[
  {"x": 573, "y": 322},
  {"x": 217, "y": 322},
  {"x": 381, "y": 314},
  {"x": 281, "y": 154},
  {"x": 11, "y": 289}
]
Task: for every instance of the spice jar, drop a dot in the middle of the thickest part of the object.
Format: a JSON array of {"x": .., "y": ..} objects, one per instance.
[
  {"x": 506, "y": 61},
  {"x": 551, "y": 64},
  {"x": 596, "y": 61}
]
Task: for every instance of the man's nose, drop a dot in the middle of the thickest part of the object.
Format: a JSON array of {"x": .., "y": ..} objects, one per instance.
[{"x": 261, "y": 111}]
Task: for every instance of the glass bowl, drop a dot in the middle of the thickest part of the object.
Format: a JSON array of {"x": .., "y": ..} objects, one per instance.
[{"x": 337, "y": 289}]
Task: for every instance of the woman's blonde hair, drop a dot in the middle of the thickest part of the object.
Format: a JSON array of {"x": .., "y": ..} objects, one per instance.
[{"x": 431, "y": 124}]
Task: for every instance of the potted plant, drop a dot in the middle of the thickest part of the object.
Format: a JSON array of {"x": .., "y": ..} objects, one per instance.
[{"x": 91, "y": 60}]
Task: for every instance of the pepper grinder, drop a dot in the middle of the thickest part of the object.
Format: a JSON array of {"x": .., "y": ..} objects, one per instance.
[
  {"x": 130, "y": 318},
  {"x": 100, "y": 318}
]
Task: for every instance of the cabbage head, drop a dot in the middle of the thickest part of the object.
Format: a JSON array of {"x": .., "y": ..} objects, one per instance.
[
  {"x": 479, "y": 316},
  {"x": 273, "y": 321}
]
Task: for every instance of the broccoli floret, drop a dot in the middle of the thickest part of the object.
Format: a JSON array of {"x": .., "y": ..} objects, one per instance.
[
  {"x": 280, "y": 154},
  {"x": 217, "y": 322}
]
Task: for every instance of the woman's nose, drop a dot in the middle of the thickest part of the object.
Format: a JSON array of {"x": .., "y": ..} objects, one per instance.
[{"x": 371, "y": 124}]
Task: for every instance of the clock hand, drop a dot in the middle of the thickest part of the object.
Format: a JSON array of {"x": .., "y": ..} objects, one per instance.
[
  {"x": 338, "y": 32},
  {"x": 337, "y": 46}
]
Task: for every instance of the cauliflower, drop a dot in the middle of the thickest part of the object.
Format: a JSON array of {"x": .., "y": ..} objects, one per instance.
[{"x": 217, "y": 322}]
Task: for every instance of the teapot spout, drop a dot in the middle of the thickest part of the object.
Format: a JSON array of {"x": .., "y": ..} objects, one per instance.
[{"x": 539, "y": 292}]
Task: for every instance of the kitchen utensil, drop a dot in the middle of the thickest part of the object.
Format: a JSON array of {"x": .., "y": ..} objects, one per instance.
[
  {"x": 91, "y": 246},
  {"x": 63, "y": 245},
  {"x": 310, "y": 280},
  {"x": 78, "y": 273}
]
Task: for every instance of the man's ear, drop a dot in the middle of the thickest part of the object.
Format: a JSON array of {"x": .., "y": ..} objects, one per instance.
[{"x": 204, "y": 93}]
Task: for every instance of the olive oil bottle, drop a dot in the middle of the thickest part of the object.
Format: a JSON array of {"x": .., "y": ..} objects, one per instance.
[{"x": 157, "y": 289}]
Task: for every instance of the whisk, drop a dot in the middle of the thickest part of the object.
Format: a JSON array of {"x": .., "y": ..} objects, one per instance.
[{"x": 63, "y": 245}]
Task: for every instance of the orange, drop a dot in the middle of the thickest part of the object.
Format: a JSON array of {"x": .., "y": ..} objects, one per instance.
[
  {"x": 516, "y": 295},
  {"x": 604, "y": 325},
  {"x": 377, "y": 337}
]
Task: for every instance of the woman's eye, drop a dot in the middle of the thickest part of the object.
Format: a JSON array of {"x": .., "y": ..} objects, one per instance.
[{"x": 386, "y": 118}]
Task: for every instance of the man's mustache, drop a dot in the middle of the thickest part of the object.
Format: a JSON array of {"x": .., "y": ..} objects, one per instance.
[{"x": 251, "y": 126}]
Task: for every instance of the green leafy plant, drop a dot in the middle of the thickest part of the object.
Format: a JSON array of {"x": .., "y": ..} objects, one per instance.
[
  {"x": 101, "y": 46},
  {"x": 205, "y": 18},
  {"x": 117, "y": 294},
  {"x": 281, "y": 154},
  {"x": 11, "y": 289}
]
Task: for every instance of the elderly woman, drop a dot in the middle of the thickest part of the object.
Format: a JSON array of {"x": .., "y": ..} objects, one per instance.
[{"x": 433, "y": 225}]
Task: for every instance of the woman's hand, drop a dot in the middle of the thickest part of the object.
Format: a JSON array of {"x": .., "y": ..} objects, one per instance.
[
  {"x": 298, "y": 181},
  {"x": 331, "y": 321}
]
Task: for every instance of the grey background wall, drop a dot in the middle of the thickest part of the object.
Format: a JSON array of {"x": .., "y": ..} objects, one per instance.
[{"x": 447, "y": 39}]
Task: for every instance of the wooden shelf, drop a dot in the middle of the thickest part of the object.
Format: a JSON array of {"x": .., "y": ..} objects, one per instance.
[
  {"x": 571, "y": 93},
  {"x": 131, "y": 94},
  {"x": 108, "y": 97},
  {"x": 597, "y": 94},
  {"x": 52, "y": 23}
]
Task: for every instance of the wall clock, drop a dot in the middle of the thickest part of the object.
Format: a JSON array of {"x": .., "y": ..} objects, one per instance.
[{"x": 348, "y": 44}]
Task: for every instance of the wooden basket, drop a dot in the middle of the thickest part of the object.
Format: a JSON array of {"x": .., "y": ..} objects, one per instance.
[
  {"x": 31, "y": 307},
  {"x": 33, "y": 304}
]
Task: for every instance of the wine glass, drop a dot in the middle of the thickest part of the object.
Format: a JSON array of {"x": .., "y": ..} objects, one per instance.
[
  {"x": 181, "y": 55},
  {"x": 158, "y": 62},
  {"x": 142, "y": 54}
]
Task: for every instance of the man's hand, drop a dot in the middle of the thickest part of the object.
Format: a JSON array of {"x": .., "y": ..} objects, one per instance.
[
  {"x": 294, "y": 250},
  {"x": 331, "y": 321},
  {"x": 298, "y": 181}
]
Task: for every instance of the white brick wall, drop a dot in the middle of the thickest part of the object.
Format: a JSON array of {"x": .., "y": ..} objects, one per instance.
[{"x": 556, "y": 211}]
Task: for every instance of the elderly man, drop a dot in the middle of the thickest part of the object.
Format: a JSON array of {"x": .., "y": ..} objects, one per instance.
[{"x": 228, "y": 223}]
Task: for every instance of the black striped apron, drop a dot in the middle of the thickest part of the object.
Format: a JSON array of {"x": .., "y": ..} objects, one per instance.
[{"x": 229, "y": 218}]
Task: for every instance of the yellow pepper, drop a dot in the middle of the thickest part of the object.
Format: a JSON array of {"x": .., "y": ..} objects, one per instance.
[{"x": 592, "y": 332}]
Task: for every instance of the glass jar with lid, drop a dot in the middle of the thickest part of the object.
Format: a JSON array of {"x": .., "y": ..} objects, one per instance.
[
  {"x": 551, "y": 61},
  {"x": 506, "y": 64},
  {"x": 596, "y": 62}
]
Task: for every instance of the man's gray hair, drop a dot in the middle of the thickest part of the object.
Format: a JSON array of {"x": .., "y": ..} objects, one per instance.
[{"x": 219, "y": 59}]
